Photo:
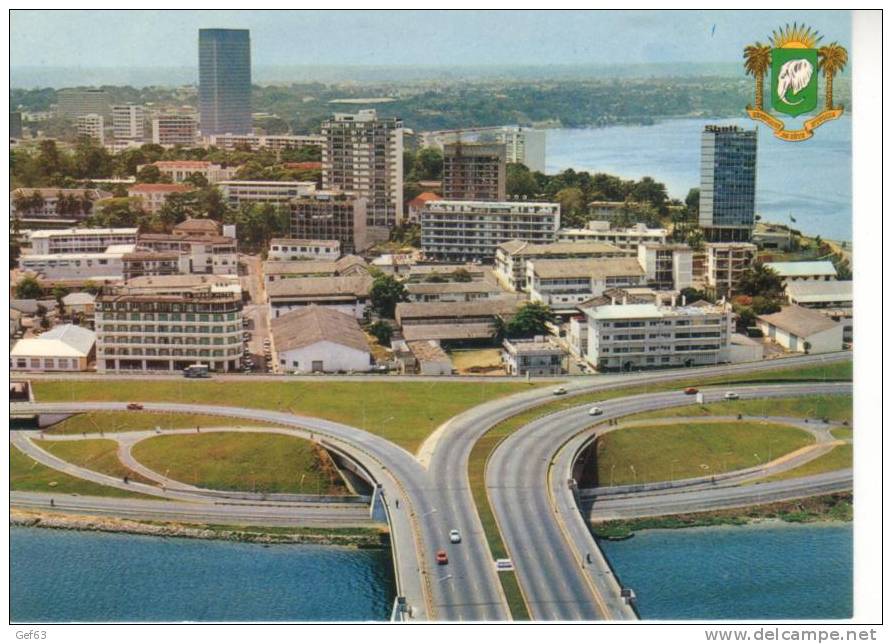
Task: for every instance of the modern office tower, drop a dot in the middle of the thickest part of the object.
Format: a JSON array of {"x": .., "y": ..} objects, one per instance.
[
  {"x": 474, "y": 171},
  {"x": 727, "y": 183},
  {"x": 363, "y": 154},
  {"x": 174, "y": 129},
  {"x": 15, "y": 125},
  {"x": 72, "y": 102},
  {"x": 224, "y": 81},
  {"x": 327, "y": 214},
  {"x": 92, "y": 126},
  {"x": 465, "y": 231},
  {"x": 128, "y": 122},
  {"x": 524, "y": 145}
]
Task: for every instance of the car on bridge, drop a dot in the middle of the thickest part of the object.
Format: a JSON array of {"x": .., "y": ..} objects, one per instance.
[
  {"x": 454, "y": 536},
  {"x": 442, "y": 558},
  {"x": 731, "y": 395},
  {"x": 560, "y": 391},
  {"x": 690, "y": 391},
  {"x": 595, "y": 411}
]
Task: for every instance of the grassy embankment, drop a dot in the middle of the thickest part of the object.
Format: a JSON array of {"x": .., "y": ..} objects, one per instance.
[
  {"x": 665, "y": 452},
  {"x": 403, "y": 412},
  {"x": 839, "y": 458},
  {"x": 27, "y": 475},
  {"x": 249, "y": 462},
  {"x": 488, "y": 442},
  {"x": 832, "y": 507},
  {"x": 836, "y": 408},
  {"x": 99, "y": 455},
  {"x": 128, "y": 421}
]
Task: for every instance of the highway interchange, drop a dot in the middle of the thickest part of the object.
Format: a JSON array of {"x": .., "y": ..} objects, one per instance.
[{"x": 560, "y": 569}]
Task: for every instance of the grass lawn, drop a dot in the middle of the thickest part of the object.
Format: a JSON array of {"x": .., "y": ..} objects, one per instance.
[
  {"x": 27, "y": 475},
  {"x": 664, "y": 452},
  {"x": 403, "y": 412},
  {"x": 242, "y": 461},
  {"x": 839, "y": 458},
  {"x": 128, "y": 421},
  {"x": 477, "y": 360},
  {"x": 842, "y": 433},
  {"x": 99, "y": 455},
  {"x": 836, "y": 407}
]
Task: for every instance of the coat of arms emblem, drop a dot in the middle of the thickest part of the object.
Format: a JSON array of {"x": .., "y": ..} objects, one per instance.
[{"x": 795, "y": 62}]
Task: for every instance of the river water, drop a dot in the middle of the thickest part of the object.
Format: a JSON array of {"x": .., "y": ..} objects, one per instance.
[
  {"x": 810, "y": 180},
  {"x": 64, "y": 576},
  {"x": 760, "y": 572}
]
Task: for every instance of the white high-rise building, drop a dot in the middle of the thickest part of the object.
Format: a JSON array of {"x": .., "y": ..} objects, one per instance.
[
  {"x": 92, "y": 126},
  {"x": 128, "y": 122},
  {"x": 363, "y": 154}
]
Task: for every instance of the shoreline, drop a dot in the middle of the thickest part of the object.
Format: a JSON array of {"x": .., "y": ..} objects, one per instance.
[
  {"x": 365, "y": 538},
  {"x": 818, "y": 509}
]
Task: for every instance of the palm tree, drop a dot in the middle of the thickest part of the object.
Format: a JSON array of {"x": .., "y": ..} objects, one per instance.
[
  {"x": 757, "y": 61},
  {"x": 832, "y": 59}
]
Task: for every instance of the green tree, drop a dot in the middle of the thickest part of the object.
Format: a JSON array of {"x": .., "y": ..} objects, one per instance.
[
  {"x": 28, "y": 288},
  {"x": 385, "y": 294},
  {"x": 520, "y": 182},
  {"x": 149, "y": 174},
  {"x": 382, "y": 332},
  {"x": 531, "y": 319},
  {"x": 760, "y": 280},
  {"x": 461, "y": 275}
]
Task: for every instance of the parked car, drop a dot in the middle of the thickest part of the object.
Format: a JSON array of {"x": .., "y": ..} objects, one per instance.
[
  {"x": 690, "y": 391},
  {"x": 560, "y": 391},
  {"x": 454, "y": 536},
  {"x": 595, "y": 411},
  {"x": 442, "y": 558},
  {"x": 134, "y": 406},
  {"x": 731, "y": 395}
]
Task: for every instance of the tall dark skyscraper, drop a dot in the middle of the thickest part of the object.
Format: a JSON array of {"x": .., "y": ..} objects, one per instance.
[
  {"x": 727, "y": 183},
  {"x": 224, "y": 77}
]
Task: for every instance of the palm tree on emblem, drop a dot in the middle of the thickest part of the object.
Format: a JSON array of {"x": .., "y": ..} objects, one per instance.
[
  {"x": 832, "y": 59},
  {"x": 757, "y": 61}
]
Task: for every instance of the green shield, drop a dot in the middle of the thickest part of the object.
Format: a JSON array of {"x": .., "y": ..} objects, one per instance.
[{"x": 794, "y": 80}]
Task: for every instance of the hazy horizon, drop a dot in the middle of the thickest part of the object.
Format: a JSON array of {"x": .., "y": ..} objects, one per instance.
[{"x": 46, "y": 42}]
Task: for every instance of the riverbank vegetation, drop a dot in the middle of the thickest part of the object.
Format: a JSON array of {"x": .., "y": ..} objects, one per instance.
[
  {"x": 242, "y": 461},
  {"x": 829, "y": 507}
]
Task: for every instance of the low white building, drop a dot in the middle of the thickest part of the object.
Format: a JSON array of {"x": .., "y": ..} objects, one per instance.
[
  {"x": 726, "y": 262},
  {"x": 512, "y": 257},
  {"x": 67, "y": 347},
  {"x": 79, "y": 240},
  {"x": 294, "y": 249},
  {"x": 798, "y": 329},
  {"x": 821, "y": 271},
  {"x": 636, "y": 336},
  {"x": 430, "y": 358},
  {"x": 108, "y": 265},
  {"x": 347, "y": 294},
  {"x": 278, "y": 193},
  {"x": 601, "y": 231},
  {"x": 833, "y": 299},
  {"x": 563, "y": 284},
  {"x": 536, "y": 357},
  {"x": 319, "y": 339},
  {"x": 667, "y": 266}
]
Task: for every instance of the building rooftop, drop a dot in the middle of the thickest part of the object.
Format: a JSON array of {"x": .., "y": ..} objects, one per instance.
[
  {"x": 160, "y": 187},
  {"x": 312, "y": 266},
  {"x": 649, "y": 311},
  {"x": 196, "y": 225},
  {"x": 198, "y": 165},
  {"x": 428, "y": 351},
  {"x": 79, "y": 298},
  {"x": 284, "y": 241},
  {"x": 802, "y": 269},
  {"x": 423, "y": 198},
  {"x": 799, "y": 320},
  {"x": 517, "y": 247},
  {"x": 813, "y": 291},
  {"x": 536, "y": 345},
  {"x": 298, "y": 329},
  {"x": 593, "y": 267},
  {"x": 46, "y": 234},
  {"x": 355, "y": 285},
  {"x": 65, "y": 340},
  {"x": 430, "y": 288},
  {"x": 504, "y": 305}
]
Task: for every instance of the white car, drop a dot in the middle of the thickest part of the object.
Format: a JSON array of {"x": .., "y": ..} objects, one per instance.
[
  {"x": 595, "y": 411},
  {"x": 560, "y": 391},
  {"x": 731, "y": 395},
  {"x": 454, "y": 536}
]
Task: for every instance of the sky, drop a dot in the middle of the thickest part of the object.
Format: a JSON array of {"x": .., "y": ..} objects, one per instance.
[{"x": 168, "y": 38}]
